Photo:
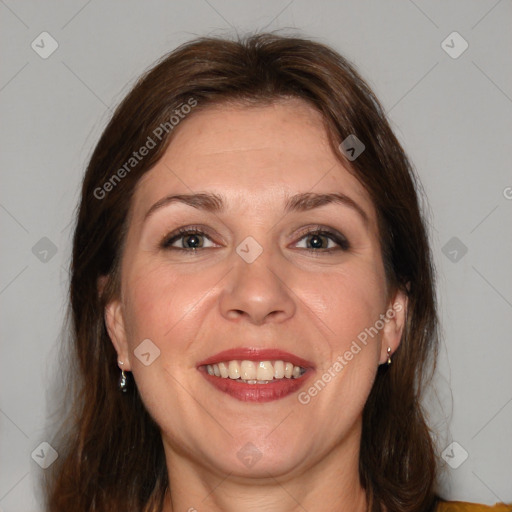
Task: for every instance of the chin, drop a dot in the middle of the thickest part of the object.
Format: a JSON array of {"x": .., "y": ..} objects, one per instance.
[{"x": 260, "y": 454}]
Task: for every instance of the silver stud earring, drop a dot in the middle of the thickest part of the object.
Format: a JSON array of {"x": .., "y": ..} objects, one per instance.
[
  {"x": 389, "y": 356},
  {"x": 123, "y": 380}
]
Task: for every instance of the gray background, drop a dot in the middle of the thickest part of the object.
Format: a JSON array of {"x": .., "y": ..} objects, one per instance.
[{"x": 453, "y": 116}]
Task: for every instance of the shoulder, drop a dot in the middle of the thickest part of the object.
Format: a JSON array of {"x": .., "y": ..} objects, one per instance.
[{"x": 460, "y": 506}]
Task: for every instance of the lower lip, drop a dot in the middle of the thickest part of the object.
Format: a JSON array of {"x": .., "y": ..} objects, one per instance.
[{"x": 257, "y": 392}]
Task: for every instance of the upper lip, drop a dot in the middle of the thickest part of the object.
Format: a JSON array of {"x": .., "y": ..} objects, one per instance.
[{"x": 256, "y": 354}]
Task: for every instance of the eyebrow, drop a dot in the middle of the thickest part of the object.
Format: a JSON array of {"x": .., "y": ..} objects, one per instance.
[{"x": 215, "y": 203}]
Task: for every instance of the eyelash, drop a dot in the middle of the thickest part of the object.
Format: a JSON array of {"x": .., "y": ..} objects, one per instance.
[{"x": 342, "y": 242}]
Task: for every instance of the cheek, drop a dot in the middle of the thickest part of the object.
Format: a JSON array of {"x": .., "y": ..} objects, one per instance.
[
  {"x": 346, "y": 302},
  {"x": 162, "y": 306},
  {"x": 159, "y": 300}
]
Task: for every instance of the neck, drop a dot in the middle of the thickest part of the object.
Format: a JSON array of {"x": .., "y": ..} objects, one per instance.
[{"x": 332, "y": 483}]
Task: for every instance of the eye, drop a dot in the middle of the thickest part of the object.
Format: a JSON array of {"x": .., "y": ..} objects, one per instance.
[
  {"x": 322, "y": 239},
  {"x": 318, "y": 239},
  {"x": 186, "y": 239}
]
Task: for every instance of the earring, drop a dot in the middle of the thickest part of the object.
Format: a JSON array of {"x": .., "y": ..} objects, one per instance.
[
  {"x": 389, "y": 356},
  {"x": 123, "y": 380}
]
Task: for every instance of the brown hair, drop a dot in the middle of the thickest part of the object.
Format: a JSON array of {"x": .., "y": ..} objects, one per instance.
[{"x": 101, "y": 465}]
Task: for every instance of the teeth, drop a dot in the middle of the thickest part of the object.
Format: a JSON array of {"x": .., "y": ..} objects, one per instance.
[
  {"x": 279, "y": 369},
  {"x": 266, "y": 371},
  {"x": 234, "y": 370},
  {"x": 223, "y": 369},
  {"x": 255, "y": 372},
  {"x": 247, "y": 370}
]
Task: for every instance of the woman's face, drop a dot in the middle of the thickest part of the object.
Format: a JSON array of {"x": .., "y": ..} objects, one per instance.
[{"x": 270, "y": 272}]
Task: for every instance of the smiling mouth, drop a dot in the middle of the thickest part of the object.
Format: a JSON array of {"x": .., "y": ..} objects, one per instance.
[
  {"x": 255, "y": 372},
  {"x": 251, "y": 374}
]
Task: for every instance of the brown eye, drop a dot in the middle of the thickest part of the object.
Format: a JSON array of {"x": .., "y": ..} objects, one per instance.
[
  {"x": 318, "y": 241},
  {"x": 192, "y": 241},
  {"x": 324, "y": 241},
  {"x": 186, "y": 239}
]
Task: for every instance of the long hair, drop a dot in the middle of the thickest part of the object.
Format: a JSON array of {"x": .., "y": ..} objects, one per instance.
[{"x": 111, "y": 453}]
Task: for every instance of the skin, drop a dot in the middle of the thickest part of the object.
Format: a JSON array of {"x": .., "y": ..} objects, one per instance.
[{"x": 312, "y": 304}]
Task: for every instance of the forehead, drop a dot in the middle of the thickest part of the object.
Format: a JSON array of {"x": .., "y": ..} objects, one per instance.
[{"x": 255, "y": 155}]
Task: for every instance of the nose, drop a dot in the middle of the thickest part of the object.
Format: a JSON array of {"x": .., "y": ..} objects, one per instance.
[{"x": 257, "y": 292}]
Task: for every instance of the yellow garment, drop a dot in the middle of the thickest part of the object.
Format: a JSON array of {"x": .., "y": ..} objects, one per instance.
[{"x": 459, "y": 506}]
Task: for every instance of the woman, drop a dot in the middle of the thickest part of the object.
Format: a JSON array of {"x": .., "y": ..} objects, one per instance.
[{"x": 251, "y": 263}]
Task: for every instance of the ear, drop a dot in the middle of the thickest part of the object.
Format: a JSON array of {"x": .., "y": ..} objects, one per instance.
[
  {"x": 395, "y": 317},
  {"x": 114, "y": 321}
]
